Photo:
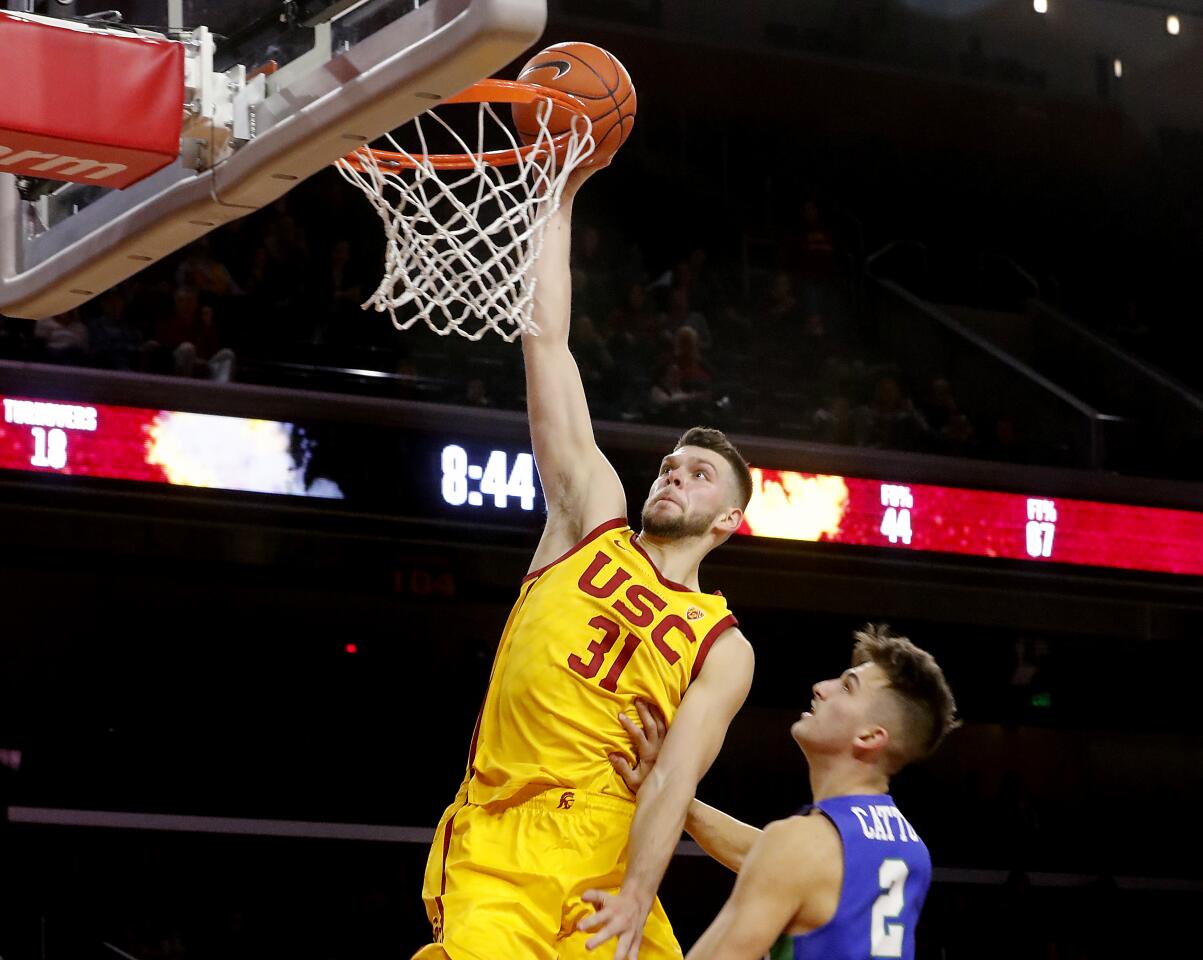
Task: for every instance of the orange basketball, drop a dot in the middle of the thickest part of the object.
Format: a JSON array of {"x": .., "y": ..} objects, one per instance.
[{"x": 593, "y": 76}]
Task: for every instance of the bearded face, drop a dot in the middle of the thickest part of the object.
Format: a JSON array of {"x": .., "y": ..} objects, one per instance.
[
  {"x": 665, "y": 518},
  {"x": 692, "y": 491}
]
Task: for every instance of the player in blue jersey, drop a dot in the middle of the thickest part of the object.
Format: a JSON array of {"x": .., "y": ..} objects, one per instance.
[{"x": 845, "y": 879}]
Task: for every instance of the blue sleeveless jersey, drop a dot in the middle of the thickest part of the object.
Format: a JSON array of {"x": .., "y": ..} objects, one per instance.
[{"x": 887, "y": 871}]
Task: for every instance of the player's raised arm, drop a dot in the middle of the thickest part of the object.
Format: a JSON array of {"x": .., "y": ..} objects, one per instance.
[
  {"x": 581, "y": 488},
  {"x": 690, "y": 747},
  {"x": 795, "y": 866}
]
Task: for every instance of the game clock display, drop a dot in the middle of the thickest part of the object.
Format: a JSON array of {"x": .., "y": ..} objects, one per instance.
[
  {"x": 465, "y": 482},
  {"x": 427, "y": 474}
]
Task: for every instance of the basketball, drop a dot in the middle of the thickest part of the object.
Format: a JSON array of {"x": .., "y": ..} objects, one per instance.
[{"x": 593, "y": 76}]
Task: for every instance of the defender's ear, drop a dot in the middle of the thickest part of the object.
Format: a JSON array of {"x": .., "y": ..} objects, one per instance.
[{"x": 871, "y": 743}]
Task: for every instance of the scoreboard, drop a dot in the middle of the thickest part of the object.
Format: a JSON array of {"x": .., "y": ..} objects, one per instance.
[{"x": 435, "y": 472}]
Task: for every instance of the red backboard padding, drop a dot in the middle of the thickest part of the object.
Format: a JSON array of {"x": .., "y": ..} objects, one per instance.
[{"x": 86, "y": 106}]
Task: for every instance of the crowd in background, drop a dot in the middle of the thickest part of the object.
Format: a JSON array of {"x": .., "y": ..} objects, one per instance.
[{"x": 772, "y": 347}]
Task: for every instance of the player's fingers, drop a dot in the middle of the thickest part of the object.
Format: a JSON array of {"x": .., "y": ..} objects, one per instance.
[
  {"x": 606, "y": 933},
  {"x": 634, "y": 731},
  {"x": 646, "y": 717},
  {"x": 629, "y": 725},
  {"x": 654, "y": 719},
  {"x": 623, "y": 767},
  {"x": 591, "y": 922},
  {"x": 628, "y": 947},
  {"x": 596, "y": 897}
]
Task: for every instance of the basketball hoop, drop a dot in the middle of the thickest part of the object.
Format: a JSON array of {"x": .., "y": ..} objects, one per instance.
[{"x": 463, "y": 229}]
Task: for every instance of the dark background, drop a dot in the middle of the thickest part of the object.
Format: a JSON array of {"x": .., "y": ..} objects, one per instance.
[{"x": 186, "y": 652}]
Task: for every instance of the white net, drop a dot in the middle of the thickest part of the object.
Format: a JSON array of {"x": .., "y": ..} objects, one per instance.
[{"x": 461, "y": 244}]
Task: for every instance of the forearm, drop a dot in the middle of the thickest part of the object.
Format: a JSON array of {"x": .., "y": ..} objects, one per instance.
[
  {"x": 655, "y": 830},
  {"x": 724, "y": 838},
  {"x": 553, "y": 281}
]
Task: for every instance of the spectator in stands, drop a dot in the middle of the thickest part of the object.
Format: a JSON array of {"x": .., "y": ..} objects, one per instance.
[
  {"x": 696, "y": 377},
  {"x": 668, "y": 400},
  {"x": 702, "y": 292},
  {"x": 476, "y": 394},
  {"x": 113, "y": 339},
  {"x": 811, "y": 255},
  {"x": 181, "y": 324},
  {"x": 890, "y": 421},
  {"x": 633, "y": 344},
  {"x": 781, "y": 314},
  {"x": 833, "y": 422},
  {"x": 594, "y": 288},
  {"x": 950, "y": 426},
  {"x": 288, "y": 248},
  {"x": 203, "y": 355},
  {"x": 594, "y": 360},
  {"x": 263, "y": 321},
  {"x": 345, "y": 289},
  {"x": 679, "y": 313},
  {"x": 812, "y": 347},
  {"x": 956, "y": 437},
  {"x": 202, "y": 271},
  {"x": 690, "y": 272},
  {"x": 63, "y": 338},
  {"x": 263, "y": 282},
  {"x": 633, "y": 322},
  {"x": 939, "y": 404},
  {"x": 338, "y": 291}
]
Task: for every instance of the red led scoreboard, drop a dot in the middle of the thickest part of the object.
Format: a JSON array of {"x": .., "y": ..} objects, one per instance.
[
  {"x": 439, "y": 473},
  {"x": 980, "y": 523}
]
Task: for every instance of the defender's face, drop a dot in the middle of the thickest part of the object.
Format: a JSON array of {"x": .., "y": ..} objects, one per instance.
[
  {"x": 841, "y": 709},
  {"x": 693, "y": 489}
]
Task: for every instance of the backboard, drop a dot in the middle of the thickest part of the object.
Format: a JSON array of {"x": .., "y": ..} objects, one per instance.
[{"x": 273, "y": 92}]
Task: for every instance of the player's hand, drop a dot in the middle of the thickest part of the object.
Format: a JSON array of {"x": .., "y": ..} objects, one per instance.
[
  {"x": 620, "y": 915},
  {"x": 578, "y": 176},
  {"x": 647, "y": 741}
]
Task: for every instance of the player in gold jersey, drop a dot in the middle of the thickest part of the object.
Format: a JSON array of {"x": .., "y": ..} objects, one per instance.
[{"x": 545, "y": 853}]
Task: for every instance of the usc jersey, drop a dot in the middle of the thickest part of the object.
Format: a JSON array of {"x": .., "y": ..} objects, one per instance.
[{"x": 589, "y": 633}]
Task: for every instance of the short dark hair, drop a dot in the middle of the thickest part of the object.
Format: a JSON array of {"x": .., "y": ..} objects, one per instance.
[
  {"x": 711, "y": 439},
  {"x": 929, "y": 711}
]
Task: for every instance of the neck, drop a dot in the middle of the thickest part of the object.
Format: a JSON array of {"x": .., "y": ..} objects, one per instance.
[
  {"x": 845, "y": 777},
  {"x": 677, "y": 559}
]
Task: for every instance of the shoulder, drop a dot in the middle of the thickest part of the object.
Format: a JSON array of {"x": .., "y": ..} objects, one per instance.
[
  {"x": 733, "y": 639},
  {"x": 727, "y": 659},
  {"x": 798, "y": 851},
  {"x": 729, "y": 648},
  {"x": 810, "y": 837}
]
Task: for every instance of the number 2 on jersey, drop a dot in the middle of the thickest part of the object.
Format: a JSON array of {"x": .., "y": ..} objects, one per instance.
[
  {"x": 598, "y": 650},
  {"x": 886, "y": 938}
]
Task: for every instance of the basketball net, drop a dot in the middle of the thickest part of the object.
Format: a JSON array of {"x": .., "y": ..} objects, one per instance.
[{"x": 463, "y": 232}]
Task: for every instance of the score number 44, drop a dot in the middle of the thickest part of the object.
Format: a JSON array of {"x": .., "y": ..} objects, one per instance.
[{"x": 896, "y": 521}]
